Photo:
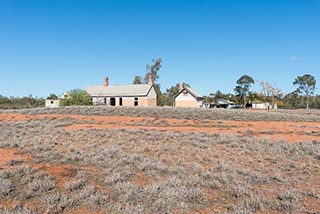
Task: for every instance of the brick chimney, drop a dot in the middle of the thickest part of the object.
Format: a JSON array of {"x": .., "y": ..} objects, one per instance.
[
  {"x": 180, "y": 86},
  {"x": 106, "y": 82},
  {"x": 150, "y": 79}
]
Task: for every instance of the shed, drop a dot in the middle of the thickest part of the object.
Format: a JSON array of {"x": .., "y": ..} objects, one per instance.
[{"x": 187, "y": 97}]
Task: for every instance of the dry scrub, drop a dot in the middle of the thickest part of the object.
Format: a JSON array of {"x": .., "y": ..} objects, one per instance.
[
  {"x": 47, "y": 169},
  {"x": 181, "y": 113}
]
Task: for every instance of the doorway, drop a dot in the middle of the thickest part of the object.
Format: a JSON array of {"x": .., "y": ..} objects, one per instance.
[{"x": 113, "y": 101}]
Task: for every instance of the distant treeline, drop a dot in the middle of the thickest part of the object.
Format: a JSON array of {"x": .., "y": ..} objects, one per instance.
[
  {"x": 291, "y": 101},
  {"x": 295, "y": 100},
  {"x": 20, "y": 103}
]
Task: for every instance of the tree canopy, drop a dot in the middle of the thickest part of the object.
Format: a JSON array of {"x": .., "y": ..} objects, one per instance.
[
  {"x": 76, "y": 97},
  {"x": 20, "y": 103},
  {"x": 137, "y": 80},
  {"x": 270, "y": 92},
  {"x": 153, "y": 70},
  {"x": 52, "y": 97},
  {"x": 306, "y": 84},
  {"x": 243, "y": 87}
]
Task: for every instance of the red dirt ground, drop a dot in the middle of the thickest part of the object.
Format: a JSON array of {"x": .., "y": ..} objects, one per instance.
[
  {"x": 272, "y": 130},
  {"x": 62, "y": 172}
]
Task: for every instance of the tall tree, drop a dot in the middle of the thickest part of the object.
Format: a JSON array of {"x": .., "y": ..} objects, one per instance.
[
  {"x": 270, "y": 91},
  {"x": 218, "y": 95},
  {"x": 293, "y": 100},
  {"x": 306, "y": 84},
  {"x": 243, "y": 87},
  {"x": 137, "y": 80},
  {"x": 153, "y": 70}
]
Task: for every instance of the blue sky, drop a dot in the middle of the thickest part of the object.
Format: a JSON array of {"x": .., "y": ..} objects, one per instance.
[{"x": 52, "y": 46}]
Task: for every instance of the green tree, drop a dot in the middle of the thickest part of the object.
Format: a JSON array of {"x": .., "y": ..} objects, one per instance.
[
  {"x": 218, "y": 95},
  {"x": 52, "y": 97},
  {"x": 293, "y": 100},
  {"x": 19, "y": 103},
  {"x": 306, "y": 84},
  {"x": 76, "y": 97},
  {"x": 243, "y": 87},
  {"x": 137, "y": 80},
  {"x": 316, "y": 101},
  {"x": 153, "y": 70}
]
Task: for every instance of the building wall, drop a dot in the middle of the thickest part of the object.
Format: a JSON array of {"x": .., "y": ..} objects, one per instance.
[
  {"x": 52, "y": 103},
  {"x": 100, "y": 101},
  {"x": 260, "y": 105},
  {"x": 143, "y": 101},
  {"x": 152, "y": 94},
  {"x": 186, "y": 103},
  {"x": 185, "y": 100},
  {"x": 150, "y": 100},
  {"x": 147, "y": 102},
  {"x": 128, "y": 101}
]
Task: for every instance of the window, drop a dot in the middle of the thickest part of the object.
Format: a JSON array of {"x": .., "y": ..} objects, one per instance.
[
  {"x": 136, "y": 103},
  {"x": 51, "y": 102},
  {"x": 105, "y": 100},
  {"x": 120, "y": 101},
  {"x": 113, "y": 101}
]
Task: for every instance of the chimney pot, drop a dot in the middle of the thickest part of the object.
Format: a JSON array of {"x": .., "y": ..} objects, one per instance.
[
  {"x": 150, "y": 79},
  {"x": 106, "y": 82},
  {"x": 180, "y": 86}
]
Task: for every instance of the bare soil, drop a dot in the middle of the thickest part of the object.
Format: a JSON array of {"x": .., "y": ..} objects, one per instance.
[
  {"x": 273, "y": 130},
  {"x": 226, "y": 166}
]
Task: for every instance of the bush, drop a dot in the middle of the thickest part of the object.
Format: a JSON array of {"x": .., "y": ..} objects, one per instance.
[{"x": 76, "y": 97}]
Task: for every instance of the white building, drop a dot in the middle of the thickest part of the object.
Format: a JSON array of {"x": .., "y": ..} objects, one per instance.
[{"x": 52, "y": 103}]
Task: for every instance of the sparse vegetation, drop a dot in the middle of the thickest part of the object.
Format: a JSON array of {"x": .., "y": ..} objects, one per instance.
[
  {"x": 21, "y": 103},
  {"x": 51, "y": 169}
]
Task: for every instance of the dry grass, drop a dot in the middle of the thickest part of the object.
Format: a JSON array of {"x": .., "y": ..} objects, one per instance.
[
  {"x": 52, "y": 170},
  {"x": 181, "y": 113}
]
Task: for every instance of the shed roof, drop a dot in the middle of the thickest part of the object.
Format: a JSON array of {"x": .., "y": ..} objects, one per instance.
[
  {"x": 193, "y": 92},
  {"x": 224, "y": 102},
  {"x": 119, "y": 90}
]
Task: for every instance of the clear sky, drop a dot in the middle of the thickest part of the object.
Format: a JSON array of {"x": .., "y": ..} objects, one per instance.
[{"x": 52, "y": 46}]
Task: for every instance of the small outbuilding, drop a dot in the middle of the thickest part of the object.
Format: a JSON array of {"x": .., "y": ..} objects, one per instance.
[
  {"x": 263, "y": 105},
  {"x": 187, "y": 97},
  {"x": 52, "y": 103}
]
